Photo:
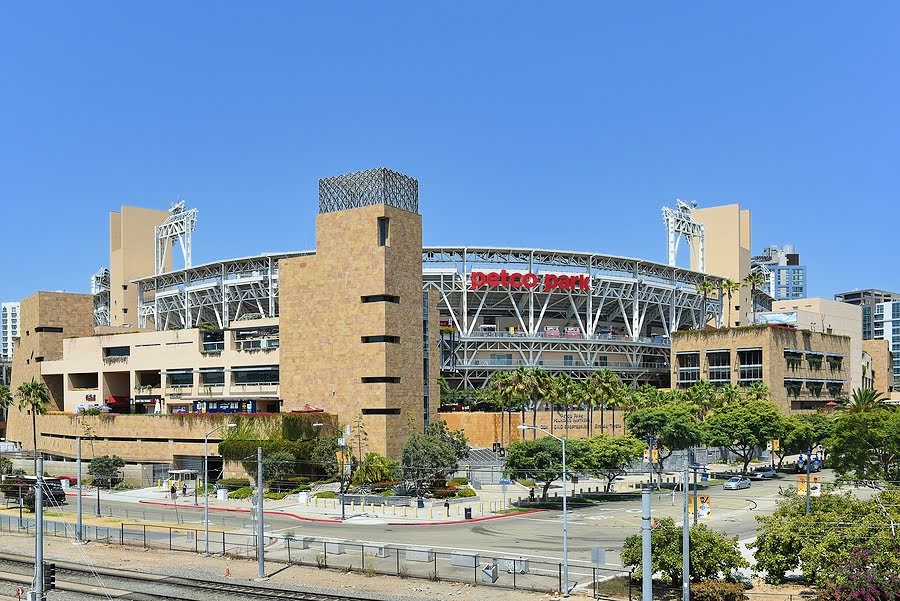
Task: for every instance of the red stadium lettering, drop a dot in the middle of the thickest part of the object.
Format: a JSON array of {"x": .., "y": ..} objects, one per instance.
[
  {"x": 530, "y": 280},
  {"x": 515, "y": 280},
  {"x": 479, "y": 279}
]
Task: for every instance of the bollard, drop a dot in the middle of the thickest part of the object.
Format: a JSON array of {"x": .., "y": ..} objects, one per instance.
[
  {"x": 395, "y": 509},
  {"x": 458, "y": 510},
  {"x": 316, "y": 502},
  {"x": 481, "y": 508},
  {"x": 431, "y": 512},
  {"x": 404, "y": 511},
  {"x": 382, "y": 509},
  {"x": 415, "y": 512},
  {"x": 352, "y": 505}
]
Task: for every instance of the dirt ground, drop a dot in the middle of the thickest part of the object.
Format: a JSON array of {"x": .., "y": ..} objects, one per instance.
[{"x": 173, "y": 563}]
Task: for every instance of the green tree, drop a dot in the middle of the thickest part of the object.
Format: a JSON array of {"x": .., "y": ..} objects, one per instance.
[
  {"x": 324, "y": 455},
  {"x": 5, "y": 465},
  {"x": 866, "y": 445},
  {"x": 863, "y": 400},
  {"x": 819, "y": 542},
  {"x": 105, "y": 469},
  {"x": 744, "y": 428},
  {"x": 277, "y": 468},
  {"x": 711, "y": 554},
  {"x": 601, "y": 390},
  {"x": 426, "y": 459},
  {"x": 706, "y": 287},
  {"x": 608, "y": 457},
  {"x": 375, "y": 468},
  {"x": 541, "y": 460},
  {"x": 804, "y": 431},
  {"x": 6, "y": 398},
  {"x": 511, "y": 390},
  {"x": 672, "y": 425},
  {"x": 35, "y": 397},
  {"x": 455, "y": 439}
]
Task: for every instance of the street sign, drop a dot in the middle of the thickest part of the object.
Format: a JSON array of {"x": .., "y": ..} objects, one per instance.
[
  {"x": 598, "y": 556},
  {"x": 505, "y": 481}
]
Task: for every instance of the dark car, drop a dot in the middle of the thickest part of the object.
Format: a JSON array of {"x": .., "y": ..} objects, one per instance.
[{"x": 17, "y": 487}]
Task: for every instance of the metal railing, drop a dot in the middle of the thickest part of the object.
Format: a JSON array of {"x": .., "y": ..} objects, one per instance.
[{"x": 562, "y": 335}]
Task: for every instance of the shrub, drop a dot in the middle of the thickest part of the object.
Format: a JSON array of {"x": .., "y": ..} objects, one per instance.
[
  {"x": 299, "y": 488},
  {"x": 716, "y": 590},
  {"x": 466, "y": 492},
  {"x": 242, "y": 493},
  {"x": 326, "y": 494},
  {"x": 233, "y": 483},
  {"x": 444, "y": 493},
  {"x": 276, "y": 496},
  {"x": 459, "y": 481},
  {"x": 123, "y": 486}
]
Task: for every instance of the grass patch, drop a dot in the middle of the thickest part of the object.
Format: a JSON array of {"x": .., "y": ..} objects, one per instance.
[{"x": 513, "y": 510}]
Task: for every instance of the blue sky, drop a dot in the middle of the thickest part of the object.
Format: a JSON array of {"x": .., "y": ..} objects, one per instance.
[{"x": 563, "y": 128}]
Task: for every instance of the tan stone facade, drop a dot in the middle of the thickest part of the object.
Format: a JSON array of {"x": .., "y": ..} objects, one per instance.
[
  {"x": 483, "y": 429},
  {"x": 803, "y": 370},
  {"x": 46, "y": 318},
  {"x": 132, "y": 240},
  {"x": 727, "y": 253},
  {"x": 333, "y": 303},
  {"x": 882, "y": 364}
]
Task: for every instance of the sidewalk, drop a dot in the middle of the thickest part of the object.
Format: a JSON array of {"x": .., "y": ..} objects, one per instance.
[{"x": 326, "y": 510}]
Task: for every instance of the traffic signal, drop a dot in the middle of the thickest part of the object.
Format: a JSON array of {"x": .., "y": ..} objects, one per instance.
[{"x": 49, "y": 576}]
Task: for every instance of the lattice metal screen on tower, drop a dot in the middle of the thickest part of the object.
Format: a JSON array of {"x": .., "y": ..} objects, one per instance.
[{"x": 364, "y": 188}]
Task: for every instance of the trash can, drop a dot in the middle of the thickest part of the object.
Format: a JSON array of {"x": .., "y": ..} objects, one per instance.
[
  {"x": 420, "y": 502},
  {"x": 468, "y": 513}
]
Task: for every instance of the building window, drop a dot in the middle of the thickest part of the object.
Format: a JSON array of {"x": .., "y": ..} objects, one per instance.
[
  {"x": 213, "y": 378},
  {"x": 389, "y": 339},
  {"x": 49, "y": 329},
  {"x": 380, "y": 380},
  {"x": 381, "y": 411},
  {"x": 568, "y": 360},
  {"x": 719, "y": 367},
  {"x": 688, "y": 369},
  {"x": 257, "y": 376},
  {"x": 117, "y": 351},
  {"x": 384, "y": 231},
  {"x": 180, "y": 379},
  {"x": 501, "y": 359},
  {"x": 750, "y": 361},
  {"x": 381, "y": 298}
]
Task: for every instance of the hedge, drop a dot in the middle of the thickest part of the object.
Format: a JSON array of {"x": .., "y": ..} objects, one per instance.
[
  {"x": 241, "y": 493},
  {"x": 465, "y": 492}
]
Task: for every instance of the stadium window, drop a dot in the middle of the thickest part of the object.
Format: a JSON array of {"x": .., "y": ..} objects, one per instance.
[
  {"x": 381, "y": 411},
  {"x": 48, "y": 329},
  {"x": 381, "y": 298},
  {"x": 380, "y": 380},
  {"x": 390, "y": 339},
  {"x": 384, "y": 231}
]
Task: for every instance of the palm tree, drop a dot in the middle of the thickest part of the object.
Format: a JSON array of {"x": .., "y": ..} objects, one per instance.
[
  {"x": 729, "y": 286},
  {"x": 504, "y": 393},
  {"x": 728, "y": 395},
  {"x": 703, "y": 396},
  {"x": 616, "y": 400},
  {"x": 519, "y": 384},
  {"x": 538, "y": 384},
  {"x": 706, "y": 287},
  {"x": 599, "y": 388},
  {"x": 757, "y": 392},
  {"x": 33, "y": 396},
  {"x": 5, "y": 396},
  {"x": 863, "y": 400},
  {"x": 754, "y": 279}
]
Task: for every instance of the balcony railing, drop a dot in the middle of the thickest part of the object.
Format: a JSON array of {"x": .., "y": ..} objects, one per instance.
[
  {"x": 613, "y": 365},
  {"x": 544, "y": 335},
  {"x": 212, "y": 347},
  {"x": 114, "y": 359},
  {"x": 256, "y": 387},
  {"x": 261, "y": 344}
]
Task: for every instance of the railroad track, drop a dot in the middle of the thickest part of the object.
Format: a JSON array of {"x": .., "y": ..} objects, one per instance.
[{"x": 235, "y": 589}]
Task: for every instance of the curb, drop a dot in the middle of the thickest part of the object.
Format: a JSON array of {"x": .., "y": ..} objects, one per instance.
[
  {"x": 238, "y": 510},
  {"x": 330, "y": 521}
]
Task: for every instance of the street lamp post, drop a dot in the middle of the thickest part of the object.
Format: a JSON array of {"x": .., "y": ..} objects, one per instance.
[
  {"x": 341, "y": 444},
  {"x": 564, "y": 508},
  {"x": 206, "y": 486}
]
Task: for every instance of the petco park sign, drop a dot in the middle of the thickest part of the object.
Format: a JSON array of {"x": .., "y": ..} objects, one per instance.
[{"x": 546, "y": 282}]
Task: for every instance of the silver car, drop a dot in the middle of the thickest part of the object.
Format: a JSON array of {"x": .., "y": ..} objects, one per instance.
[
  {"x": 737, "y": 483},
  {"x": 763, "y": 473}
]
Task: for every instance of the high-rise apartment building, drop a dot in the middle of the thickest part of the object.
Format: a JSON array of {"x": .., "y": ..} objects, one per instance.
[
  {"x": 9, "y": 330},
  {"x": 785, "y": 276},
  {"x": 886, "y": 326},
  {"x": 867, "y": 299}
]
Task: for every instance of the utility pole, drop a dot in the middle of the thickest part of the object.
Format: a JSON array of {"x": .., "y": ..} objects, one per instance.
[
  {"x": 37, "y": 594},
  {"x": 696, "y": 498},
  {"x": 646, "y": 551},
  {"x": 808, "y": 466},
  {"x": 79, "y": 528},
  {"x": 260, "y": 518},
  {"x": 686, "y": 544}
]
